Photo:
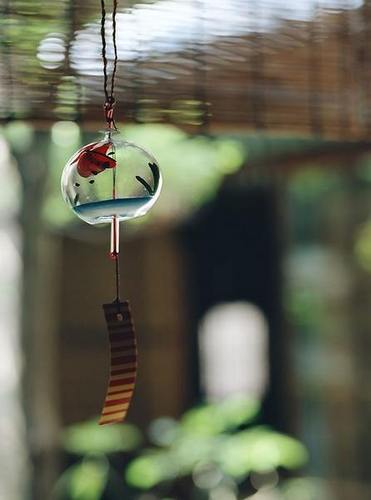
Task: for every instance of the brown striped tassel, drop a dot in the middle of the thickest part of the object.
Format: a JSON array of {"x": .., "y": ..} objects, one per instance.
[{"x": 123, "y": 366}]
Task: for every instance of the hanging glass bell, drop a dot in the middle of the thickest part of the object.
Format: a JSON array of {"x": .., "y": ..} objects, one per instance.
[{"x": 111, "y": 178}]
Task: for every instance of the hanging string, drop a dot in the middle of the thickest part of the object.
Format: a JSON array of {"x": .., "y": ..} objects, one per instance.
[
  {"x": 108, "y": 111},
  {"x": 109, "y": 95},
  {"x": 114, "y": 253},
  {"x": 114, "y": 10},
  {"x": 115, "y": 238}
]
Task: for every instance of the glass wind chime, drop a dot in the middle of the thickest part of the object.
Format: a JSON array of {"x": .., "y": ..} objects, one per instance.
[{"x": 109, "y": 181}]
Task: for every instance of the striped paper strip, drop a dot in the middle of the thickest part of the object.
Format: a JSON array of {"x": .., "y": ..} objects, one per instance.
[{"x": 123, "y": 365}]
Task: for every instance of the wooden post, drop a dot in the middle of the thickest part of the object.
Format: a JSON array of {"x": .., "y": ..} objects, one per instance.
[{"x": 38, "y": 322}]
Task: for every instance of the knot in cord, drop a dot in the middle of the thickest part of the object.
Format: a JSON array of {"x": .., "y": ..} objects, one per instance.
[{"x": 109, "y": 106}]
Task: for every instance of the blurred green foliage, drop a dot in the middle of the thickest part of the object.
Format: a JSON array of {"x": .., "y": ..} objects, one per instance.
[
  {"x": 88, "y": 438},
  {"x": 312, "y": 183},
  {"x": 84, "y": 481},
  {"x": 362, "y": 246},
  {"x": 216, "y": 435},
  {"x": 213, "y": 447},
  {"x": 91, "y": 475},
  {"x": 308, "y": 488}
]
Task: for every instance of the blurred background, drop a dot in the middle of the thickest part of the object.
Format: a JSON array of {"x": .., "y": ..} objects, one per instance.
[{"x": 249, "y": 281}]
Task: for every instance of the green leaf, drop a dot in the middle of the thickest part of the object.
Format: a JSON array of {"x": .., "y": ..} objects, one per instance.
[{"x": 89, "y": 437}]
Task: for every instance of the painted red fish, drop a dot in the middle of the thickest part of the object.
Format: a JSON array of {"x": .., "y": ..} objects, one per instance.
[{"x": 92, "y": 159}]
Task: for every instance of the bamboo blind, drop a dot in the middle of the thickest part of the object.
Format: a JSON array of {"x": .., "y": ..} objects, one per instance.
[{"x": 282, "y": 66}]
